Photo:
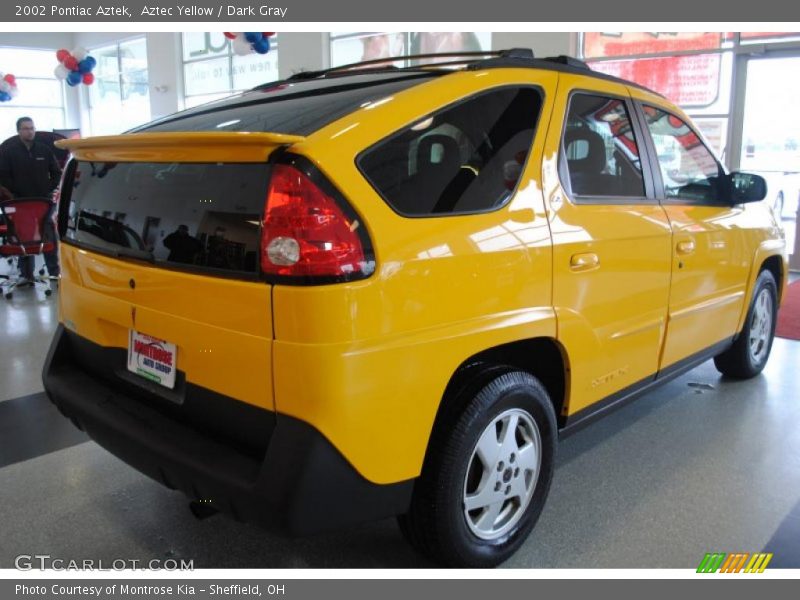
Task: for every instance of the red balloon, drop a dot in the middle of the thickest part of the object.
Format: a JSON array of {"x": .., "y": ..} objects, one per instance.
[
  {"x": 71, "y": 63},
  {"x": 62, "y": 54},
  {"x": 268, "y": 34},
  {"x": 10, "y": 79},
  {"x": 88, "y": 78},
  {"x": 230, "y": 35}
]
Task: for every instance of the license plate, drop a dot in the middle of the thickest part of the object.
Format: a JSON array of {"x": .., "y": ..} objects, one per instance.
[{"x": 152, "y": 358}]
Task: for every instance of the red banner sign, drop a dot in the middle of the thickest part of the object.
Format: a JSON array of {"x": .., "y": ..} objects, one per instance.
[
  {"x": 689, "y": 81},
  {"x": 603, "y": 44}
]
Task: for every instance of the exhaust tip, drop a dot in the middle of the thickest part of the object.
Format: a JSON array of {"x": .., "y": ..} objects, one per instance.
[{"x": 202, "y": 509}]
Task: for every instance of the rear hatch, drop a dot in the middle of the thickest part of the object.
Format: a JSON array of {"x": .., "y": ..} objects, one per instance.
[
  {"x": 161, "y": 286},
  {"x": 167, "y": 252}
]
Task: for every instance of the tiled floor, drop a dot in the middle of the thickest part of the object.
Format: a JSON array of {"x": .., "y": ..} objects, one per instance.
[
  {"x": 680, "y": 472},
  {"x": 28, "y": 320}
]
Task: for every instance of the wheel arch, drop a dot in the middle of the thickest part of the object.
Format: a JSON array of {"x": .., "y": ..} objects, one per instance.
[
  {"x": 774, "y": 264},
  {"x": 543, "y": 357},
  {"x": 770, "y": 256}
]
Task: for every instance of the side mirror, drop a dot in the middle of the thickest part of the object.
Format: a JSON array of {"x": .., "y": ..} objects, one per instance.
[{"x": 746, "y": 187}]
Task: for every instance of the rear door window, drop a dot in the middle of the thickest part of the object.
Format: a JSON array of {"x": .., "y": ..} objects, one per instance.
[
  {"x": 466, "y": 158},
  {"x": 198, "y": 216},
  {"x": 599, "y": 149}
]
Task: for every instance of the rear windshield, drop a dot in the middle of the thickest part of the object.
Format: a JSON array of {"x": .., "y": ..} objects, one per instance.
[
  {"x": 199, "y": 216},
  {"x": 291, "y": 107}
]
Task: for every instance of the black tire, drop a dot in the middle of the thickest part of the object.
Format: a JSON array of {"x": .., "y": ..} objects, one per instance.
[
  {"x": 438, "y": 524},
  {"x": 9, "y": 295},
  {"x": 749, "y": 353}
]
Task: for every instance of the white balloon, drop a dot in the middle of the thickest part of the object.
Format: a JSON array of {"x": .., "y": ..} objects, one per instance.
[
  {"x": 242, "y": 47},
  {"x": 239, "y": 35},
  {"x": 14, "y": 92},
  {"x": 61, "y": 72},
  {"x": 5, "y": 86},
  {"x": 80, "y": 53}
]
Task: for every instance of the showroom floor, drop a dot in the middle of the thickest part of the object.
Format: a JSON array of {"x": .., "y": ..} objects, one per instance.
[{"x": 700, "y": 465}]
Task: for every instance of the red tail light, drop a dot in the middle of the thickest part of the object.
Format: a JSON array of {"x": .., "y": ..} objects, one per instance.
[{"x": 306, "y": 233}]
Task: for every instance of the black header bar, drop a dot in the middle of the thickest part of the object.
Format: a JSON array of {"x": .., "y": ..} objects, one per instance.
[{"x": 340, "y": 11}]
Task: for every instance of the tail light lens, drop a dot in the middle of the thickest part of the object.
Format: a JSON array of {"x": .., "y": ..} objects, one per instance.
[{"x": 310, "y": 235}]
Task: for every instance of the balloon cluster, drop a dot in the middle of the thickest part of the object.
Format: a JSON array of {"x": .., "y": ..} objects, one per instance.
[
  {"x": 245, "y": 43},
  {"x": 8, "y": 87},
  {"x": 75, "y": 67}
]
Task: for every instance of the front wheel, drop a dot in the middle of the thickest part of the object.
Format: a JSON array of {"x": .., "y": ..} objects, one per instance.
[
  {"x": 487, "y": 475},
  {"x": 749, "y": 353}
]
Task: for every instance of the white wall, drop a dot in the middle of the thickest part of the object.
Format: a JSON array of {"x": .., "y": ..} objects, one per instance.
[
  {"x": 42, "y": 41},
  {"x": 543, "y": 43},
  {"x": 302, "y": 52},
  {"x": 93, "y": 39},
  {"x": 164, "y": 72}
]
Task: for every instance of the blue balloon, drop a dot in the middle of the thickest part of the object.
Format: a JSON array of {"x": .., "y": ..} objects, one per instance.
[
  {"x": 71, "y": 83},
  {"x": 261, "y": 46},
  {"x": 87, "y": 63},
  {"x": 5, "y": 96},
  {"x": 253, "y": 37},
  {"x": 74, "y": 78}
]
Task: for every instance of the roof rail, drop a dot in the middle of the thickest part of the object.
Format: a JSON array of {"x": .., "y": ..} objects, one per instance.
[
  {"x": 470, "y": 61},
  {"x": 464, "y": 58},
  {"x": 563, "y": 59}
]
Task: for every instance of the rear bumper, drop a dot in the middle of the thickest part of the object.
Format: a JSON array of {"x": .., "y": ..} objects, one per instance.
[{"x": 300, "y": 484}]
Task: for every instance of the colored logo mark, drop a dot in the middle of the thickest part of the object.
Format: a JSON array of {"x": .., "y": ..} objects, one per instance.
[{"x": 735, "y": 562}]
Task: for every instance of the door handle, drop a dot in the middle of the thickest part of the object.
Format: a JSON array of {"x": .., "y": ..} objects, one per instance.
[
  {"x": 584, "y": 262},
  {"x": 685, "y": 247}
]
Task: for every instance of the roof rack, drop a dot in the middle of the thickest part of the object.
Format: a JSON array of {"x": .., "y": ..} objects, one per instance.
[
  {"x": 470, "y": 61},
  {"x": 464, "y": 58}
]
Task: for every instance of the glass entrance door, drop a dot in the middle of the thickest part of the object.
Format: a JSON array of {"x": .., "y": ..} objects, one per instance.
[{"x": 771, "y": 133}]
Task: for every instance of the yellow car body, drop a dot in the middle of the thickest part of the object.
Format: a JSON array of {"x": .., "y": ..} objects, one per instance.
[{"x": 599, "y": 301}]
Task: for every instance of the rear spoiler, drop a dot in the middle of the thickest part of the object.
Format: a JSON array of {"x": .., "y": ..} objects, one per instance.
[{"x": 187, "y": 146}]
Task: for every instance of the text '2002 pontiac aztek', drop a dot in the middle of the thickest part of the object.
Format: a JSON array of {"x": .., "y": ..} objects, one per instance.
[{"x": 356, "y": 294}]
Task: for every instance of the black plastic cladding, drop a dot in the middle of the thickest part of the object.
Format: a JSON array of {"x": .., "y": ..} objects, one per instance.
[{"x": 305, "y": 166}]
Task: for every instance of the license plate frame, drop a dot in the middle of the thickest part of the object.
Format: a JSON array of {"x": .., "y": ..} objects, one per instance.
[{"x": 152, "y": 358}]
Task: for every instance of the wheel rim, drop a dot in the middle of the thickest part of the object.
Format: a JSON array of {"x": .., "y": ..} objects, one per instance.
[
  {"x": 761, "y": 326},
  {"x": 502, "y": 474}
]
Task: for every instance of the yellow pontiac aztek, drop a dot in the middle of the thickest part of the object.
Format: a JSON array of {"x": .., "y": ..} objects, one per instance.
[{"x": 361, "y": 293}]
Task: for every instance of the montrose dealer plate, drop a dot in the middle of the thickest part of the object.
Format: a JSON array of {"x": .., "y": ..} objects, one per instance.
[{"x": 152, "y": 358}]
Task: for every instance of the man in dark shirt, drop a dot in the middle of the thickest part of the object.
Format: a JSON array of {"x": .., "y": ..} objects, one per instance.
[
  {"x": 29, "y": 169},
  {"x": 183, "y": 247}
]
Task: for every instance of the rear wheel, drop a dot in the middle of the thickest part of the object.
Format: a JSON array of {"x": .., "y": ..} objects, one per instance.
[
  {"x": 486, "y": 477},
  {"x": 749, "y": 353}
]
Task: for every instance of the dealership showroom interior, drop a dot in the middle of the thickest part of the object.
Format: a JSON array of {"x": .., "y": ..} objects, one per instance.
[{"x": 175, "y": 389}]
